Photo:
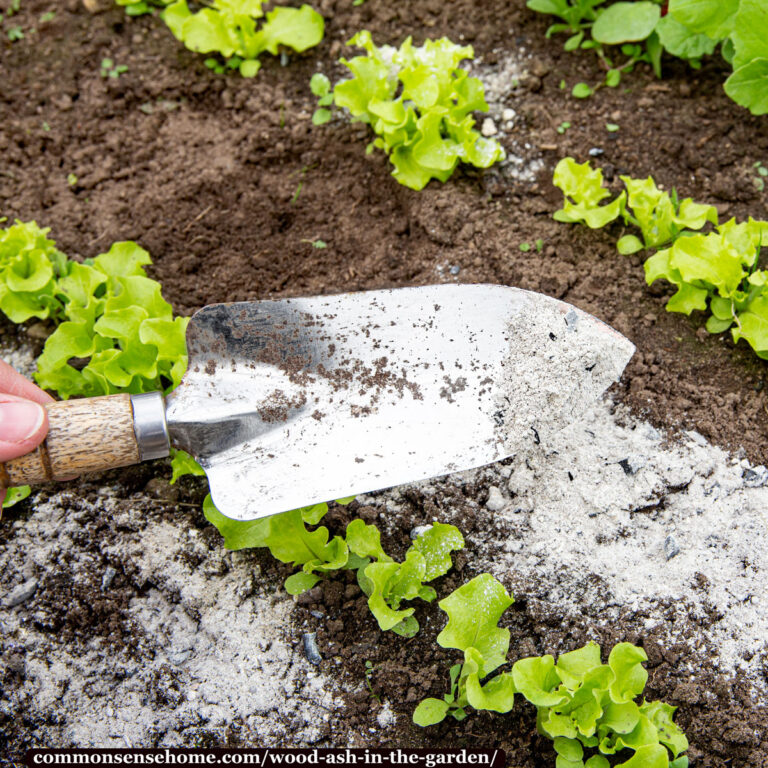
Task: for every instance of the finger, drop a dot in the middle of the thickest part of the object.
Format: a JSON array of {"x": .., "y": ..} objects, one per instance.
[
  {"x": 23, "y": 425},
  {"x": 13, "y": 383}
]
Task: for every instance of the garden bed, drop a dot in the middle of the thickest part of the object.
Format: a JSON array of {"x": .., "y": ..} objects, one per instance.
[{"x": 226, "y": 182}]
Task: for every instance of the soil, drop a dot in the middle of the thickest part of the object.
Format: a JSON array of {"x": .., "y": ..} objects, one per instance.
[{"x": 227, "y": 183}]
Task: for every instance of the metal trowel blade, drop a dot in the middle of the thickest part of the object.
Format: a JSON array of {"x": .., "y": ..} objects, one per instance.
[{"x": 291, "y": 402}]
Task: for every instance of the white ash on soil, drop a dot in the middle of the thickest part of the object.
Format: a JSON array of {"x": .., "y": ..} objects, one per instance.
[
  {"x": 501, "y": 82},
  {"x": 611, "y": 519},
  {"x": 214, "y": 645}
]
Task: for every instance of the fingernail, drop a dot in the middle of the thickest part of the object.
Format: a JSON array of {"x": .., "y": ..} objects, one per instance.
[{"x": 19, "y": 420}]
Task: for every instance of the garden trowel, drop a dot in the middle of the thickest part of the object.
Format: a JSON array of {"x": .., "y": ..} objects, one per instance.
[{"x": 291, "y": 402}]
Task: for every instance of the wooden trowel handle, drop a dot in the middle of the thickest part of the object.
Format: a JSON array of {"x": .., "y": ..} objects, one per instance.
[{"x": 89, "y": 435}]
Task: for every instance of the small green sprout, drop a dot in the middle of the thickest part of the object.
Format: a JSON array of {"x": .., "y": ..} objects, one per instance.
[
  {"x": 316, "y": 243},
  {"x": 369, "y": 669},
  {"x": 109, "y": 69},
  {"x": 761, "y": 172},
  {"x": 320, "y": 86},
  {"x": 72, "y": 179},
  {"x": 524, "y": 247},
  {"x": 563, "y": 127},
  {"x": 48, "y": 16},
  {"x": 611, "y": 127},
  {"x": 15, "y": 33},
  {"x": 581, "y": 91},
  {"x": 539, "y": 245}
]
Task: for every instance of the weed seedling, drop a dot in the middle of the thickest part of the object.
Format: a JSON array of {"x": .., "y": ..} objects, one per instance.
[
  {"x": 759, "y": 179},
  {"x": 110, "y": 69},
  {"x": 563, "y": 127},
  {"x": 369, "y": 669}
]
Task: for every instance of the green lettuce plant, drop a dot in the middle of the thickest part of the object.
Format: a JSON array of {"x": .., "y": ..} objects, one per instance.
[
  {"x": 118, "y": 328},
  {"x": 112, "y": 318},
  {"x": 115, "y": 332},
  {"x": 30, "y": 268},
  {"x": 660, "y": 217},
  {"x": 583, "y": 190},
  {"x": 583, "y": 703},
  {"x": 718, "y": 271},
  {"x": 418, "y": 102},
  {"x": 474, "y": 610},
  {"x": 387, "y": 584},
  {"x": 230, "y": 28}
]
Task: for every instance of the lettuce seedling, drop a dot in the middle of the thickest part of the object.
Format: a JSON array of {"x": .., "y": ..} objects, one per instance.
[
  {"x": 583, "y": 189},
  {"x": 474, "y": 610},
  {"x": 30, "y": 268},
  {"x": 719, "y": 272},
  {"x": 288, "y": 539},
  {"x": 387, "y": 584},
  {"x": 660, "y": 217},
  {"x": 118, "y": 328},
  {"x": 583, "y": 703},
  {"x": 419, "y": 103},
  {"x": 229, "y": 28}
]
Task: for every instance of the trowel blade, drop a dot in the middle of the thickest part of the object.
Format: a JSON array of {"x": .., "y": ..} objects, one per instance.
[{"x": 292, "y": 402}]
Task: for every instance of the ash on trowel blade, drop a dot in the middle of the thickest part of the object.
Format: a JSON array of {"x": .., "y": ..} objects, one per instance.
[{"x": 559, "y": 364}]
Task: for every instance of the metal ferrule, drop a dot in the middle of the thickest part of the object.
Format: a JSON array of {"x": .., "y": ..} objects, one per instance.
[{"x": 150, "y": 426}]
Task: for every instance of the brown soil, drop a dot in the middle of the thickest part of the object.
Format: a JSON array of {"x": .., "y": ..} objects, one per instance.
[{"x": 225, "y": 180}]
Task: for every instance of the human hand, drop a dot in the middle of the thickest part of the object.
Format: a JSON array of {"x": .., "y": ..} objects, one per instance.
[{"x": 23, "y": 420}]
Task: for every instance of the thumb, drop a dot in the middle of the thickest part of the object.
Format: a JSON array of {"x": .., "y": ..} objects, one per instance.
[{"x": 23, "y": 425}]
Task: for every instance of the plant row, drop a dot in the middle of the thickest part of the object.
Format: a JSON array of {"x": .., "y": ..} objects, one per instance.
[
  {"x": 716, "y": 272},
  {"x": 417, "y": 100}
]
